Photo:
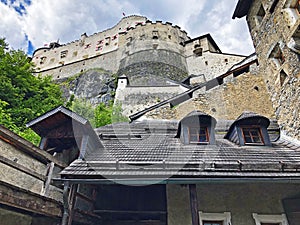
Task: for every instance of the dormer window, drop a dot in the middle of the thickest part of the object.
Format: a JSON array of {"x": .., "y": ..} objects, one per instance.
[
  {"x": 198, "y": 135},
  {"x": 252, "y": 135},
  {"x": 197, "y": 128},
  {"x": 249, "y": 129}
]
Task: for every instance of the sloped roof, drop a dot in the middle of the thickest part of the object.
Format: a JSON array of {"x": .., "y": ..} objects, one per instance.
[
  {"x": 155, "y": 155},
  {"x": 242, "y": 8}
]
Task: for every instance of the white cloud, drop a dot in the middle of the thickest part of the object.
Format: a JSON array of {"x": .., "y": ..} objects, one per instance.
[
  {"x": 11, "y": 27},
  {"x": 49, "y": 20}
]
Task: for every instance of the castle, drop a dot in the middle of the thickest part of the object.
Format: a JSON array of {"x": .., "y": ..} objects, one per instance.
[{"x": 213, "y": 137}]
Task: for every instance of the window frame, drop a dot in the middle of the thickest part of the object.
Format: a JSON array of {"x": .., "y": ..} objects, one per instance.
[
  {"x": 260, "y": 135},
  {"x": 199, "y": 134},
  {"x": 260, "y": 219},
  {"x": 224, "y": 217}
]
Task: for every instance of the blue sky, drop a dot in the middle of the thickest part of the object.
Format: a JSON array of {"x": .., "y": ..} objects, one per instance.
[{"x": 29, "y": 24}]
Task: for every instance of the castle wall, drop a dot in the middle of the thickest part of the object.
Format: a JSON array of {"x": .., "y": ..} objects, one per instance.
[
  {"x": 274, "y": 27},
  {"x": 84, "y": 48},
  {"x": 246, "y": 92},
  {"x": 211, "y": 64},
  {"x": 153, "y": 49}
]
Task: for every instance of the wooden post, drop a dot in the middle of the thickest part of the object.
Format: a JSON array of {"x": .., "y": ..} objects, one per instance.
[
  {"x": 66, "y": 203},
  {"x": 72, "y": 201},
  {"x": 47, "y": 182},
  {"x": 194, "y": 204}
]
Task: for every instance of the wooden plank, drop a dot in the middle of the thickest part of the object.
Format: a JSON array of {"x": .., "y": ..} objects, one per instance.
[
  {"x": 28, "y": 201},
  {"x": 194, "y": 204}
]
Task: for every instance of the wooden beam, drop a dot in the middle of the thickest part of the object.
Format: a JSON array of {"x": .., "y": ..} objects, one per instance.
[
  {"x": 22, "y": 168},
  {"x": 22, "y": 199},
  {"x": 194, "y": 204}
]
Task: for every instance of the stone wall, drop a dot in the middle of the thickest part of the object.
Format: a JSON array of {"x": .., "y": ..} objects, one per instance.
[
  {"x": 246, "y": 92},
  {"x": 211, "y": 64},
  {"x": 275, "y": 31}
]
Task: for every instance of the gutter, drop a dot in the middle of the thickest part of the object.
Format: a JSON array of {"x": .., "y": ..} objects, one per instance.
[{"x": 148, "y": 181}]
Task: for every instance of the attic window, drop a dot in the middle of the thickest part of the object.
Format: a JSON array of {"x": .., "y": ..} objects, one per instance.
[
  {"x": 260, "y": 15},
  {"x": 252, "y": 135},
  {"x": 197, "y": 128},
  {"x": 198, "y": 135},
  {"x": 43, "y": 59}
]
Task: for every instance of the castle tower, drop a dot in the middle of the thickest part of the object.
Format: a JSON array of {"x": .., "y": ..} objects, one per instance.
[
  {"x": 151, "y": 53},
  {"x": 275, "y": 29}
]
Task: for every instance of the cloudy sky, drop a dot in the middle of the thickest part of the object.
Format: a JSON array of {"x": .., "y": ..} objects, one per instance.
[{"x": 29, "y": 24}]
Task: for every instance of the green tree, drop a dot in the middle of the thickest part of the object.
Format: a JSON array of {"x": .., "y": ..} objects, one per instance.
[{"x": 23, "y": 96}]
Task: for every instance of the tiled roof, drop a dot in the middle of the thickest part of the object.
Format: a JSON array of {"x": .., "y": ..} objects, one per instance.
[{"x": 153, "y": 154}]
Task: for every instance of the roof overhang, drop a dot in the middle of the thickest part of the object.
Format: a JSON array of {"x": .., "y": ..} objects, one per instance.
[{"x": 242, "y": 8}]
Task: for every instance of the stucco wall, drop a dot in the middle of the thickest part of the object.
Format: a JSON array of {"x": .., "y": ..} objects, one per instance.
[{"x": 240, "y": 199}]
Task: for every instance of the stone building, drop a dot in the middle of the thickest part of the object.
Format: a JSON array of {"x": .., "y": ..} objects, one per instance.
[
  {"x": 213, "y": 137},
  {"x": 274, "y": 27}
]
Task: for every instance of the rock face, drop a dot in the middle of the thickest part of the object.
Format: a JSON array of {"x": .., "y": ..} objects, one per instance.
[{"x": 95, "y": 85}]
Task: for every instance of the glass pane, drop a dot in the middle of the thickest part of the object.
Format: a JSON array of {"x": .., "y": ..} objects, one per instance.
[
  {"x": 248, "y": 139},
  {"x": 203, "y": 138},
  {"x": 202, "y": 130}
]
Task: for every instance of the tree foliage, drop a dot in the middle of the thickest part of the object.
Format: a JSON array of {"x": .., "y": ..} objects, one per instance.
[{"x": 23, "y": 96}]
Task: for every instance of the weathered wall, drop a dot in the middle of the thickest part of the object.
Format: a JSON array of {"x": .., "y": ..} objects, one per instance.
[
  {"x": 240, "y": 199},
  {"x": 244, "y": 199},
  {"x": 246, "y": 92},
  {"x": 134, "y": 99},
  {"x": 28, "y": 181},
  {"x": 178, "y": 203},
  {"x": 211, "y": 64},
  {"x": 85, "y": 47},
  {"x": 273, "y": 33}
]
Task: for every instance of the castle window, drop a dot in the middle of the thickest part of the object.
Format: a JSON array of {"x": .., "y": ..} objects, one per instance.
[
  {"x": 100, "y": 42},
  {"x": 63, "y": 54},
  {"x": 282, "y": 77},
  {"x": 260, "y": 15},
  {"x": 294, "y": 43},
  {"x": 154, "y": 34},
  {"x": 114, "y": 37},
  {"x": 277, "y": 56},
  {"x": 273, "y": 6},
  {"x": 99, "y": 48},
  {"x": 107, "y": 41},
  {"x": 87, "y": 46},
  {"x": 43, "y": 59},
  {"x": 252, "y": 135}
]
